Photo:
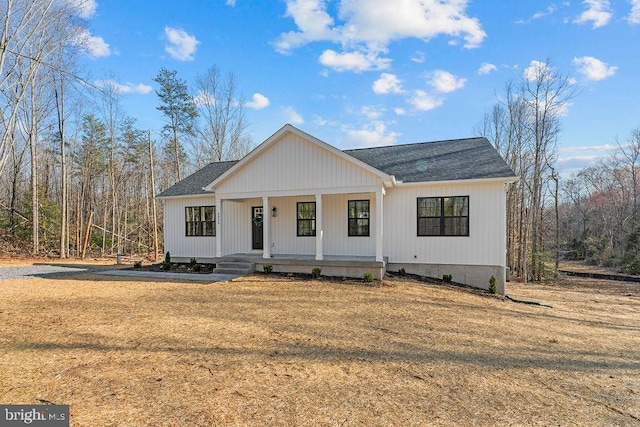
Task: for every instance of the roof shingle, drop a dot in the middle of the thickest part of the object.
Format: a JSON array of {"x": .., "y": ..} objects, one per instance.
[
  {"x": 450, "y": 160},
  {"x": 193, "y": 184},
  {"x": 470, "y": 158}
]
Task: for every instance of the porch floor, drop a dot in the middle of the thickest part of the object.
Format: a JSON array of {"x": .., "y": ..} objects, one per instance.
[
  {"x": 294, "y": 259},
  {"x": 331, "y": 265}
]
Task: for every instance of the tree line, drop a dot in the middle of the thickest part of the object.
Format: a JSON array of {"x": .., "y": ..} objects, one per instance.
[
  {"x": 590, "y": 216},
  {"x": 77, "y": 173}
]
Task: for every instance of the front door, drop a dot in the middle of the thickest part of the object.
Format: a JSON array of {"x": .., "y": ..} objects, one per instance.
[{"x": 256, "y": 227}]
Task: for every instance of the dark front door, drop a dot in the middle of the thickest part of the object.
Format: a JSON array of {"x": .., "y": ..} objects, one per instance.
[{"x": 256, "y": 227}]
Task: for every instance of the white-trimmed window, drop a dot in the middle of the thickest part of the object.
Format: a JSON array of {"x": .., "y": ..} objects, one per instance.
[
  {"x": 443, "y": 216},
  {"x": 306, "y": 223},
  {"x": 200, "y": 220}
]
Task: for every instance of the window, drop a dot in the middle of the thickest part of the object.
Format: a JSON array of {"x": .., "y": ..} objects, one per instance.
[
  {"x": 358, "y": 217},
  {"x": 201, "y": 220},
  {"x": 306, "y": 218},
  {"x": 443, "y": 216}
]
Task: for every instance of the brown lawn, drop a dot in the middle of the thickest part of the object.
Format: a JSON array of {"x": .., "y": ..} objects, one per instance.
[{"x": 284, "y": 351}]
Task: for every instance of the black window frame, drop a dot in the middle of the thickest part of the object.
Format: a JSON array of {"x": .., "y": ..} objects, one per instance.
[
  {"x": 198, "y": 228},
  {"x": 441, "y": 219},
  {"x": 300, "y": 221},
  {"x": 354, "y": 220}
]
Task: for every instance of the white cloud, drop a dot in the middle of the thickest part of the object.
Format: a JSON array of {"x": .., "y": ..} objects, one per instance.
[
  {"x": 387, "y": 83},
  {"x": 371, "y": 112},
  {"x": 203, "y": 98},
  {"x": 139, "y": 88},
  {"x": 535, "y": 70},
  {"x": 231, "y": 3},
  {"x": 423, "y": 101},
  {"x": 95, "y": 46},
  {"x": 486, "y": 68},
  {"x": 593, "y": 69},
  {"x": 550, "y": 10},
  {"x": 353, "y": 61},
  {"x": 86, "y": 8},
  {"x": 588, "y": 148},
  {"x": 598, "y": 12},
  {"x": 366, "y": 27},
  {"x": 258, "y": 102},
  {"x": 400, "y": 111},
  {"x": 418, "y": 58},
  {"x": 312, "y": 20},
  {"x": 634, "y": 15},
  {"x": 180, "y": 45},
  {"x": 445, "y": 82},
  {"x": 293, "y": 116},
  {"x": 540, "y": 14},
  {"x": 374, "y": 134}
]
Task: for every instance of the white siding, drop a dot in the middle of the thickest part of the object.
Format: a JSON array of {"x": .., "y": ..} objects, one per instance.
[
  {"x": 483, "y": 246},
  {"x": 336, "y": 238},
  {"x": 236, "y": 225},
  {"x": 295, "y": 164},
  {"x": 175, "y": 240}
]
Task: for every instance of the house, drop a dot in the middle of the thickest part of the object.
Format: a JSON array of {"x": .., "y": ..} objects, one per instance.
[{"x": 295, "y": 202}]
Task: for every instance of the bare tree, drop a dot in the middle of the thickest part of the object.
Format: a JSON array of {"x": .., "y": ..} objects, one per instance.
[{"x": 222, "y": 126}]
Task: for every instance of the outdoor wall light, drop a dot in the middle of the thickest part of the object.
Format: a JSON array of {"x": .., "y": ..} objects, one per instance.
[{"x": 274, "y": 212}]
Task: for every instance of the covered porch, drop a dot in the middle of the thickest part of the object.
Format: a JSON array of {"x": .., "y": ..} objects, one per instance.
[{"x": 269, "y": 228}]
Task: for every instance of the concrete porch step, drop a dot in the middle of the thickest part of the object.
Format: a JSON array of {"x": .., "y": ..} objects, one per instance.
[{"x": 239, "y": 268}]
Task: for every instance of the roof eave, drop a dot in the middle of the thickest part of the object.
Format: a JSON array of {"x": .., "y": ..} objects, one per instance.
[{"x": 502, "y": 179}]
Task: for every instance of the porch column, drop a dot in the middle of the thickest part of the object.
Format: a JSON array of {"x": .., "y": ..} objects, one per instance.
[
  {"x": 379, "y": 224},
  {"x": 319, "y": 229},
  {"x": 218, "y": 227},
  {"x": 266, "y": 222}
]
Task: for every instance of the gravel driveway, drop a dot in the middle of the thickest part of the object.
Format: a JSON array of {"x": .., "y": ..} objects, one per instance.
[{"x": 44, "y": 270}]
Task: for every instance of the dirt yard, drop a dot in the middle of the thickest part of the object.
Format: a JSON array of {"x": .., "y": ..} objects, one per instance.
[{"x": 266, "y": 350}]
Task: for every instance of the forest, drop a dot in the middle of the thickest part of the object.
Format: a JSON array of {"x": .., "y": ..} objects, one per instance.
[{"x": 78, "y": 177}]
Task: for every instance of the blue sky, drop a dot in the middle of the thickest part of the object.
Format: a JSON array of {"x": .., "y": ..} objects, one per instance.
[{"x": 358, "y": 73}]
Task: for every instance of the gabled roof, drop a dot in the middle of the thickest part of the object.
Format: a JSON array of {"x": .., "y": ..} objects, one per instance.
[
  {"x": 312, "y": 139},
  {"x": 450, "y": 160},
  {"x": 194, "y": 184}
]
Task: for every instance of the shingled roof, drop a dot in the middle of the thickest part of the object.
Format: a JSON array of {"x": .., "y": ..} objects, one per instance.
[
  {"x": 193, "y": 184},
  {"x": 450, "y": 160},
  {"x": 470, "y": 158}
]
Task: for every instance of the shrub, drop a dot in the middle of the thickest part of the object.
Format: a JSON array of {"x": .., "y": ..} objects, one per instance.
[
  {"x": 167, "y": 258},
  {"x": 402, "y": 272},
  {"x": 137, "y": 264},
  {"x": 197, "y": 267},
  {"x": 166, "y": 266},
  {"x": 493, "y": 288},
  {"x": 368, "y": 277},
  {"x": 267, "y": 268},
  {"x": 447, "y": 278},
  {"x": 316, "y": 272},
  {"x": 193, "y": 261}
]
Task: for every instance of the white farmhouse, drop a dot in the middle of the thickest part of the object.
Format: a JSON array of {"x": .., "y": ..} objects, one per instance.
[{"x": 295, "y": 203}]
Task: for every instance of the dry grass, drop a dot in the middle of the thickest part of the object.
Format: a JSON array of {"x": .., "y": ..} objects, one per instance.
[{"x": 275, "y": 351}]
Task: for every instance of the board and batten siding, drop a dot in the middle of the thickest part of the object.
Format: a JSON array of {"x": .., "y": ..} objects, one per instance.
[
  {"x": 237, "y": 226},
  {"x": 294, "y": 164},
  {"x": 175, "y": 239},
  {"x": 485, "y": 244}
]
